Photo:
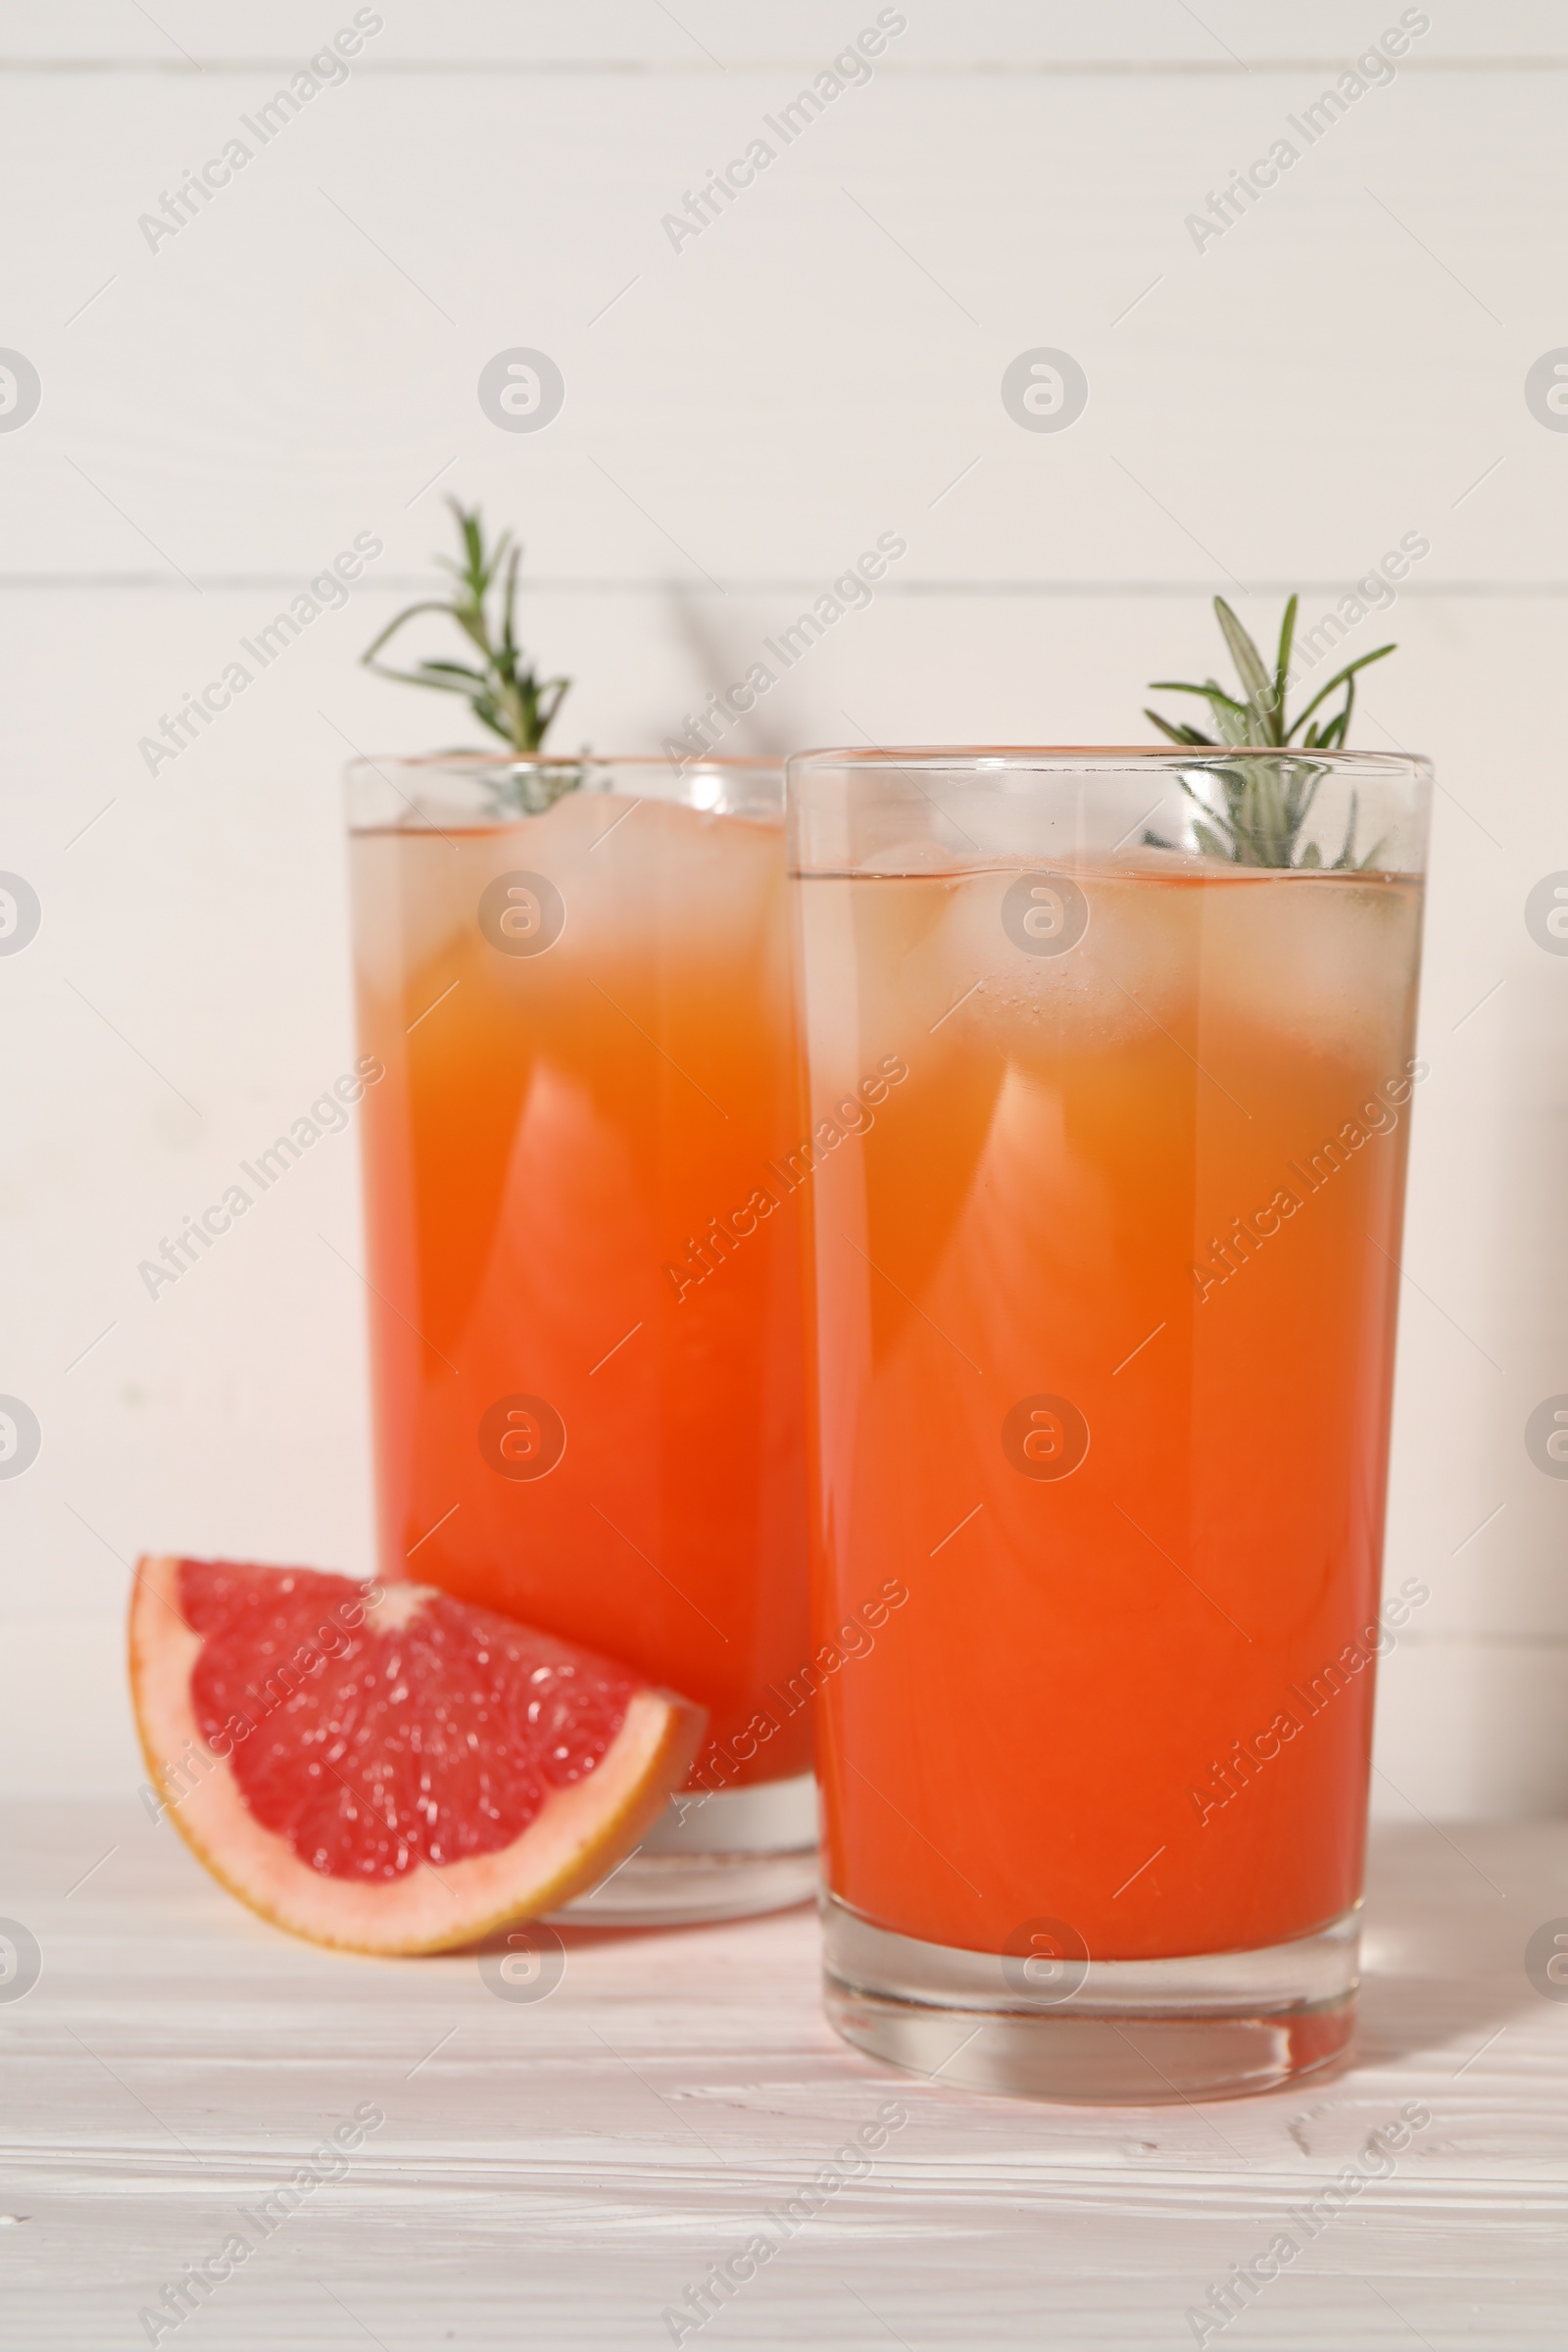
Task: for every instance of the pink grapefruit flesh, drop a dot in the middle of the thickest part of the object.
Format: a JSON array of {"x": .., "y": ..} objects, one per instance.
[{"x": 384, "y": 1768}]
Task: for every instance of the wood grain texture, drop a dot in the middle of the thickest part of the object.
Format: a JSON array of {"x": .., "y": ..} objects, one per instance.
[{"x": 558, "y": 2172}]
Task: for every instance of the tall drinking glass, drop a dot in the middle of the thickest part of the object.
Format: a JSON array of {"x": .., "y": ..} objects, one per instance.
[
  {"x": 1110, "y": 1133},
  {"x": 584, "y": 1283}
]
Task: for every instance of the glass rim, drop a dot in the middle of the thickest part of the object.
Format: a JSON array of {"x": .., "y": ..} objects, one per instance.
[
  {"x": 979, "y": 757},
  {"x": 1273, "y": 807},
  {"x": 465, "y": 759},
  {"x": 466, "y": 791}
]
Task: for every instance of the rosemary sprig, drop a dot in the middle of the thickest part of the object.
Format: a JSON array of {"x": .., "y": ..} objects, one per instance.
[
  {"x": 506, "y": 694},
  {"x": 1266, "y": 801}
]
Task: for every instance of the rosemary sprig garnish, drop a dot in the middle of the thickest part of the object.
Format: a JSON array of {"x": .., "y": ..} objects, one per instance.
[
  {"x": 1266, "y": 801},
  {"x": 506, "y": 694}
]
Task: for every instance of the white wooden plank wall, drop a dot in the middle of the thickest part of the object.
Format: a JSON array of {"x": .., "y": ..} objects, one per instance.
[{"x": 223, "y": 413}]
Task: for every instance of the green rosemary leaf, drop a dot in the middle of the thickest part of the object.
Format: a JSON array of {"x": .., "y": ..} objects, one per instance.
[
  {"x": 452, "y": 669},
  {"x": 505, "y": 694},
  {"x": 1266, "y": 801},
  {"x": 1350, "y": 705},
  {"x": 1232, "y": 720},
  {"x": 1211, "y": 688},
  {"x": 1249, "y": 667},
  {"x": 1345, "y": 860},
  {"x": 1282, "y": 665},
  {"x": 1187, "y": 787},
  {"x": 507, "y": 639},
  {"x": 1339, "y": 679},
  {"x": 421, "y": 677},
  {"x": 392, "y": 627},
  {"x": 1181, "y": 733},
  {"x": 472, "y": 539}
]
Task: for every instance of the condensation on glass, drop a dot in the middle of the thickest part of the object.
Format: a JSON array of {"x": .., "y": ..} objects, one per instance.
[{"x": 1105, "y": 1237}]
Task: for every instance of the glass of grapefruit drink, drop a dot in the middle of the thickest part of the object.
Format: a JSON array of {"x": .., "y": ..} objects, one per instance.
[
  {"x": 583, "y": 1259},
  {"x": 1101, "y": 1325}
]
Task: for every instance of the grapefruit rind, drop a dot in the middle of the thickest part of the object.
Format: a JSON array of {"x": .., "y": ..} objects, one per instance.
[{"x": 575, "y": 1839}]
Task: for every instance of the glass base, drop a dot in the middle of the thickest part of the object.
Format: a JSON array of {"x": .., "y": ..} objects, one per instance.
[
  {"x": 725, "y": 1856},
  {"x": 1113, "y": 2033}
]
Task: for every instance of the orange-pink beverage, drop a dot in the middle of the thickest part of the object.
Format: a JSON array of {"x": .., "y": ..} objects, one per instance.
[
  {"x": 584, "y": 1283},
  {"x": 1101, "y": 1337}
]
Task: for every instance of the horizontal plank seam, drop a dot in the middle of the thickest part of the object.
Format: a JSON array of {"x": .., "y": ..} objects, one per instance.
[
  {"x": 403, "y": 583},
  {"x": 898, "y": 70}
]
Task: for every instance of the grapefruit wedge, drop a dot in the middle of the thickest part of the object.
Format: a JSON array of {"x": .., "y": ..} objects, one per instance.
[{"x": 384, "y": 1768}]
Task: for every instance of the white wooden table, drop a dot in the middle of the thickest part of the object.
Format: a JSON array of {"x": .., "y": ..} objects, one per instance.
[{"x": 558, "y": 2172}]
